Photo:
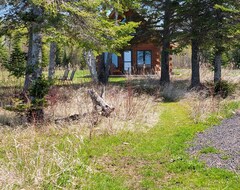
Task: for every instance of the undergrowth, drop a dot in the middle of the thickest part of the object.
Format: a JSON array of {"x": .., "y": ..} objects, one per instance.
[
  {"x": 141, "y": 146},
  {"x": 53, "y": 158}
]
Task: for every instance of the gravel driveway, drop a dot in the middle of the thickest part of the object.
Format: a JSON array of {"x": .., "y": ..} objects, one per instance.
[{"x": 219, "y": 146}]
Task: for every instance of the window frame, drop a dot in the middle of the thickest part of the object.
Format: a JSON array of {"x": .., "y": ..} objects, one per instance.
[
  {"x": 144, "y": 58},
  {"x": 127, "y": 61}
]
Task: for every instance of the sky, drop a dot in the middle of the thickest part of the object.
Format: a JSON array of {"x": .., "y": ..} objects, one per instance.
[{"x": 4, "y": 10}]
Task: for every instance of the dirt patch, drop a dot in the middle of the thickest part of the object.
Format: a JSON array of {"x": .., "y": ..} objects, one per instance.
[{"x": 224, "y": 143}]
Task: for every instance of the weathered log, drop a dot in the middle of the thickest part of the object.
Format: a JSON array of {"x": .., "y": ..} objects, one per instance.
[
  {"x": 105, "y": 109},
  {"x": 71, "y": 118}
]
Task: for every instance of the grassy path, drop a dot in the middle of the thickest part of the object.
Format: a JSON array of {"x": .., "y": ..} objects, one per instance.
[{"x": 155, "y": 159}]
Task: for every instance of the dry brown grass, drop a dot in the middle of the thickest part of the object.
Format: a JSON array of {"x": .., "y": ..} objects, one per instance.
[
  {"x": 132, "y": 111},
  {"x": 35, "y": 156},
  {"x": 203, "y": 103}
]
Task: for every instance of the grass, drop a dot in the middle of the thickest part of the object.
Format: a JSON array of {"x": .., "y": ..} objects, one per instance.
[
  {"x": 209, "y": 149},
  {"x": 156, "y": 159},
  {"x": 141, "y": 146}
]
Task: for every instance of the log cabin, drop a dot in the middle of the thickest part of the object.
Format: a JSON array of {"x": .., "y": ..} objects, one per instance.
[{"x": 143, "y": 54}]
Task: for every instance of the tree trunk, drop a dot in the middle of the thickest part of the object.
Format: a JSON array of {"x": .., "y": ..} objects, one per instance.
[
  {"x": 103, "y": 71},
  {"x": 107, "y": 66},
  {"x": 29, "y": 60},
  {"x": 219, "y": 47},
  {"x": 116, "y": 17},
  {"x": 34, "y": 51},
  {"x": 34, "y": 70},
  {"x": 36, "y": 58},
  {"x": 195, "y": 80},
  {"x": 52, "y": 60},
  {"x": 217, "y": 66},
  {"x": 165, "y": 77},
  {"x": 91, "y": 62}
]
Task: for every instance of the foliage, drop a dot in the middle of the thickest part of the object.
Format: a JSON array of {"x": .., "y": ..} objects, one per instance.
[
  {"x": 208, "y": 56},
  {"x": 65, "y": 59},
  {"x": 224, "y": 88},
  {"x": 59, "y": 55},
  {"x": 17, "y": 62},
  {"x": 3, "y": 55},
  {"x": 39, "y": 90},
  {"x": 236, "y": 56},
  {"x": 45, "y": 56},
  {"x": 35, "y": 99}
]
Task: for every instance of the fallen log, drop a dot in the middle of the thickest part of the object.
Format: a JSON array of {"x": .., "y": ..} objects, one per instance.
[
  {"x": 98, "y": 102},
  {"x": 71, "y": 118}
]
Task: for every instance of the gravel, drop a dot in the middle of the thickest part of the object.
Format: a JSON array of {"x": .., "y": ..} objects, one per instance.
[{"x": 219, "y": 146}]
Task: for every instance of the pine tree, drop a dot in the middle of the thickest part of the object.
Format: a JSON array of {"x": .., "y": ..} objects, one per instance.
[
  {"x": 224, "y": 31},
  {"x": 193, "y": 19},
  {"x": 3, "y": 55},
  {"x": 17, "y": 62}
]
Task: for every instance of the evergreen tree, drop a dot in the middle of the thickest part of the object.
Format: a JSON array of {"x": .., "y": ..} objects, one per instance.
[
  {"x": 162, "y": 21},
  {"x": 79, "y": 22},
  {"x": 193, "y": 19},
  {"x": 224, "y": 32},
  {"x": 3, "y": 55},
  {"x": 17, "y": 62}
]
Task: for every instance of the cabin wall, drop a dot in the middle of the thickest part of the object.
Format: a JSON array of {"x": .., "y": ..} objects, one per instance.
[{"x": 140, "y": 69}]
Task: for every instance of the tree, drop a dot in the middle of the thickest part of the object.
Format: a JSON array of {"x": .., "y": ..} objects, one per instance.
[
  {"x": 81, "y": 24},
  {"x": 119, "y": 39},
  {"x": 165, "y": 77},
  {"x": 193, "y": 18},
  {"x": 224, "y": 31},
  {"x": 4, "y": 54},
  {"x": 52, "y": 60},
  {"x": 17, "y": 61},
  {"x": 162, "y": 22}
]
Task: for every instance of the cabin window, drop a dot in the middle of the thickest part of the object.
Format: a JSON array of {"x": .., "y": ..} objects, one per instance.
[
  {"x": 114, "y": 59},
  {"x": 123, "y": 21},
  {"x": 144, "y": 57},
  {"x": 127, "y": 60}
]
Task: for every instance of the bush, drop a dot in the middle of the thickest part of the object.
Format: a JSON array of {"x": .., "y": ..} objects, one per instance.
[
  {"x": 39, "y": 90},
  {"x": 224, "y": 88}
]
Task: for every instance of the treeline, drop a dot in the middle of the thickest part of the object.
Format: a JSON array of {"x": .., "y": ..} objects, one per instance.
[{"x": 211, "y": 28}]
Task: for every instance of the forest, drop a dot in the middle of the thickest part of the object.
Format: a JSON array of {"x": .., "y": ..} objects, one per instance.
[{"x": 118, "y": 94}]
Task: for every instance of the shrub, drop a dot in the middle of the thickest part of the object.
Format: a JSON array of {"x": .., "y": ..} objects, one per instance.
[{"x": 224, "y": 88}]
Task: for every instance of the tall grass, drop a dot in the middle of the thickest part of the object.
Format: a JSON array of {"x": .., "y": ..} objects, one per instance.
[{"x": 141, "y": 145}]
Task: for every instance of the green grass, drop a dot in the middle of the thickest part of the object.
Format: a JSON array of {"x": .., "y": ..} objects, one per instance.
[
  {"x": 65, "y": 159},
  {"x": 209, "y": 149},
  {"x": 80, "y": 77},
  {"x": 128, "y": 160}
]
